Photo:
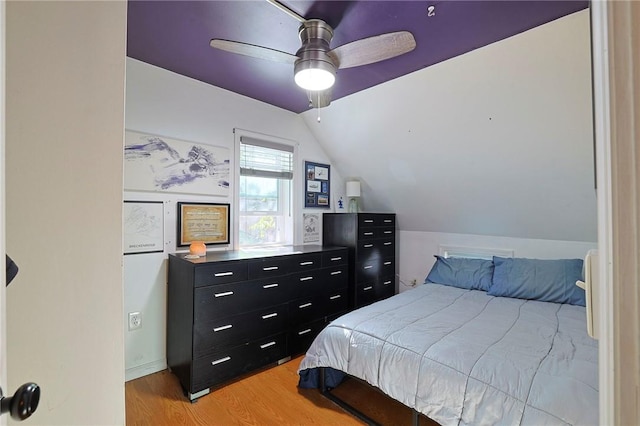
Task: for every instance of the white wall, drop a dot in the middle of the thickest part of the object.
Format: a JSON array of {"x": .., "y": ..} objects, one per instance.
[
  {"x": 416, "y": 250},
  {"x": 167, "y": 104},
  {"x": 497, "y": 141},
  {"x": 64, "y": 120}
]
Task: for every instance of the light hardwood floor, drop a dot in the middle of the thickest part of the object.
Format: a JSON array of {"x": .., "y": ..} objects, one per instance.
[{"x": 270, "y": 397}]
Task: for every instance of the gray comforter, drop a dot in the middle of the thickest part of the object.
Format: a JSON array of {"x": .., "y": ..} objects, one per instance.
[{"x": 463, "y": 357}]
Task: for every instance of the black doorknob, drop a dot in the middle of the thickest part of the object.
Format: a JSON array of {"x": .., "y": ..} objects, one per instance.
[{"x": 23, "y": 403}]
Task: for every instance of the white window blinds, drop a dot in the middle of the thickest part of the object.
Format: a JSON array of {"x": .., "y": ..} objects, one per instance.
[{"x": 265, "y": 159}]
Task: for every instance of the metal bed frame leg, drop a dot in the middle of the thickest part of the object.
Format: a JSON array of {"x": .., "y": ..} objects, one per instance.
[
  {"x": 342, "y": 404},
  {"x": 326, "y": 392},
  {"x": 415, "y": 417}
]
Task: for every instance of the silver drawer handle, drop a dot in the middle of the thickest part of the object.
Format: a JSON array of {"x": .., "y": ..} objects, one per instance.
[
  {"x": 306, "y": 278},
  {"x": 275, "y": 314},
  {"x": 300, "y": 333},
  {"x": 221, "y": 360},
  {"x": 224, "y": 327},
  {"x": 270, "y": 268},
  {"x": 306, "y": 263},
  {"x": 388, "y": 232},
  {"x": 226, "y": 293},
  {"x": 270, "y": 285},
  {"x": 333, "y": 259},
  {"x": 388, "y": 221},
  {"x": 368, "y": 245},
  {"x": 368, "y": 233},
  {"x": 336, "y": 272},
  {"x": 386, "y": 282},
  {"x": 388, "y": 243},
  {"x": 337, "y": 296},
  {"x": 368, "y": 221},
  {"x": 223, "y": 274},
  {"x": 368, "y": 267},
  {"x": 367, "y": 288},
  {"x": 266, "y": 345},
  {"x": 387, "y": 263},
  {"x": 306, "y": 305}
]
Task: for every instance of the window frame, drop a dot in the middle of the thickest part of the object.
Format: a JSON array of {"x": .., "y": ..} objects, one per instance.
[{"x": 271, "y": 142}]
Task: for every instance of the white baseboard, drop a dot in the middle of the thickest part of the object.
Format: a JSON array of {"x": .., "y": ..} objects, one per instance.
[{"x": 144, "y": 370}]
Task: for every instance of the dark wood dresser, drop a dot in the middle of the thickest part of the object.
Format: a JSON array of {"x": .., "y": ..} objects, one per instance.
[
  {"x": 233, "y": 312},
  {"x": 371, "y": 238}
]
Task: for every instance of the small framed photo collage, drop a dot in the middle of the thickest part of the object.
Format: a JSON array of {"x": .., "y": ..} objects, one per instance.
[{"x": 316, "y": 185}]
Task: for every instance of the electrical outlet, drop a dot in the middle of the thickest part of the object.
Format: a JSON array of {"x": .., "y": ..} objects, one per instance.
[
  {"x": 414, "y": 282},
  {"x": 135, "y": 320}
]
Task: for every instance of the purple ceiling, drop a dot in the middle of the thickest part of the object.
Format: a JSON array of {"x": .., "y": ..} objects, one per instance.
[{"x": 175, "y": 35}]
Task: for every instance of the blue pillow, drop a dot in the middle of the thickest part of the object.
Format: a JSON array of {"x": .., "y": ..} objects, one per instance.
[
  {"x": 536, "y": 279},
  {"x": 473, "y": 274}
]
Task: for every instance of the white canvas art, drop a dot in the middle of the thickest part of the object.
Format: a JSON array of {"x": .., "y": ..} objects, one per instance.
[{"x": 156, "y": 163}]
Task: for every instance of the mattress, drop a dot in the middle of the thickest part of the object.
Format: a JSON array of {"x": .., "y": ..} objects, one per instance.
[{"x": 462, "y": 357}]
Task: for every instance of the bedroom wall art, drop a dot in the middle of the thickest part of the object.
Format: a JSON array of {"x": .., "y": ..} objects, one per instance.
[
  {"x": 157, "y": 163},
  {"x": 206, "y": 222},
  {"x": 316, "y": 184},
  {"x": 143, "y": 227}
]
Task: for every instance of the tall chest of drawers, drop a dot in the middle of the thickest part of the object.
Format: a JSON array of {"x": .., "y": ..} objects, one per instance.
[
  {"x": 230, "y": 313},
  {"x": 371, "y": 238}
]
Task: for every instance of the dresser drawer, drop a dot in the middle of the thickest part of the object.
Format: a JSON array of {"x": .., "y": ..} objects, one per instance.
[
  {"x": 337, "y": 277},
  {"x": 387, "y": 247},
  {"x": 222, "y": 300},
  {"x": 366, "y": 293},
  {"x": 236, "y": 329},
  {"x": 220, "y": 273},
  {"x": 370, "y": 219},
  {"x": 269, "y": 267},
  {"x": 385, "y": 288},
  {"x": 385, "y": 232},
  {"x": 367, "y": 249},
  {"x": 305, "y": 262},
  {"x": 388, "y": 282},
  {"x": 333, "y": 258},
  {"x": 226, "y": 364},
  {"x": 388, "y": 266},
  {"x": 305, "y": 283},
  {"x": 301, "y": 336},
  {"x": 367, "y": 270},
  {"x": 306, "y": 309},
  {"x": 336, "y": 301},
  {"x": 367, "y": 233}
]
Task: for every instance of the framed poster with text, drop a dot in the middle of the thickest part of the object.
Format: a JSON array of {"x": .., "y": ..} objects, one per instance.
[
  {"x": 143, "y": 226},
  {"x": 316, "y": 184},
  {"x": 206, "y": 222}
]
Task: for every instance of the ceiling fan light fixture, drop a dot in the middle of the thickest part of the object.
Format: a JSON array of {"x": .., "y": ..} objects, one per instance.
[{"x": 314, "y": 75}]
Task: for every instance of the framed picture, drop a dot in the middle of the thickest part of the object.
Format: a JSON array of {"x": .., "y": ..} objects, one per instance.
[
  {"x": 311, "y": 231},
  {"x": 160, "y": 164},
  {"x": 317, "y": 184},
  {"x": 206, "y": 222},
  {"x": 143, "y": 223}
]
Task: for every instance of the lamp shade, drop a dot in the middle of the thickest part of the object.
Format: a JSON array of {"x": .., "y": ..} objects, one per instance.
[{"x": 353, "y": 188}]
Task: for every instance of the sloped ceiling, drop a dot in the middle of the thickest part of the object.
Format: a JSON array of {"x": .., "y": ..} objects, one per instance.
[
  {"x": 467, "y": 134},
  {"x": 494, "y": 142},
  {"x": 175, "y": 35}
]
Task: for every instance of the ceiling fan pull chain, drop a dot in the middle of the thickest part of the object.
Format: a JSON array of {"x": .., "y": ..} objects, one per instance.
[{"x": 318, "y": 106}]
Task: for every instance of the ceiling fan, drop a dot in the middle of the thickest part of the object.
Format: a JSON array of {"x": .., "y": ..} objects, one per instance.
[{"x": 315, "y": 63}]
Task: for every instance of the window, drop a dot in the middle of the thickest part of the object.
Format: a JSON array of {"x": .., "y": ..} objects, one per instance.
[{"x": 265, "y": 193}]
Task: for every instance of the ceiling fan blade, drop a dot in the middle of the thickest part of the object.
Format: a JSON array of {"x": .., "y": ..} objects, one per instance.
[
  {"x": 253, "y": 51},
  {"x": 286, "y": 10},
  {"x": 373, "y": 49}
]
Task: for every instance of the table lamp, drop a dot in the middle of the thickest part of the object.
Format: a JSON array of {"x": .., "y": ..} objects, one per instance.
[{"x": 353, "y": 192}]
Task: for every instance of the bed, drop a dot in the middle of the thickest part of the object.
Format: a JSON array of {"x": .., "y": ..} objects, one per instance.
[{"x": 500, "y": 341}]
